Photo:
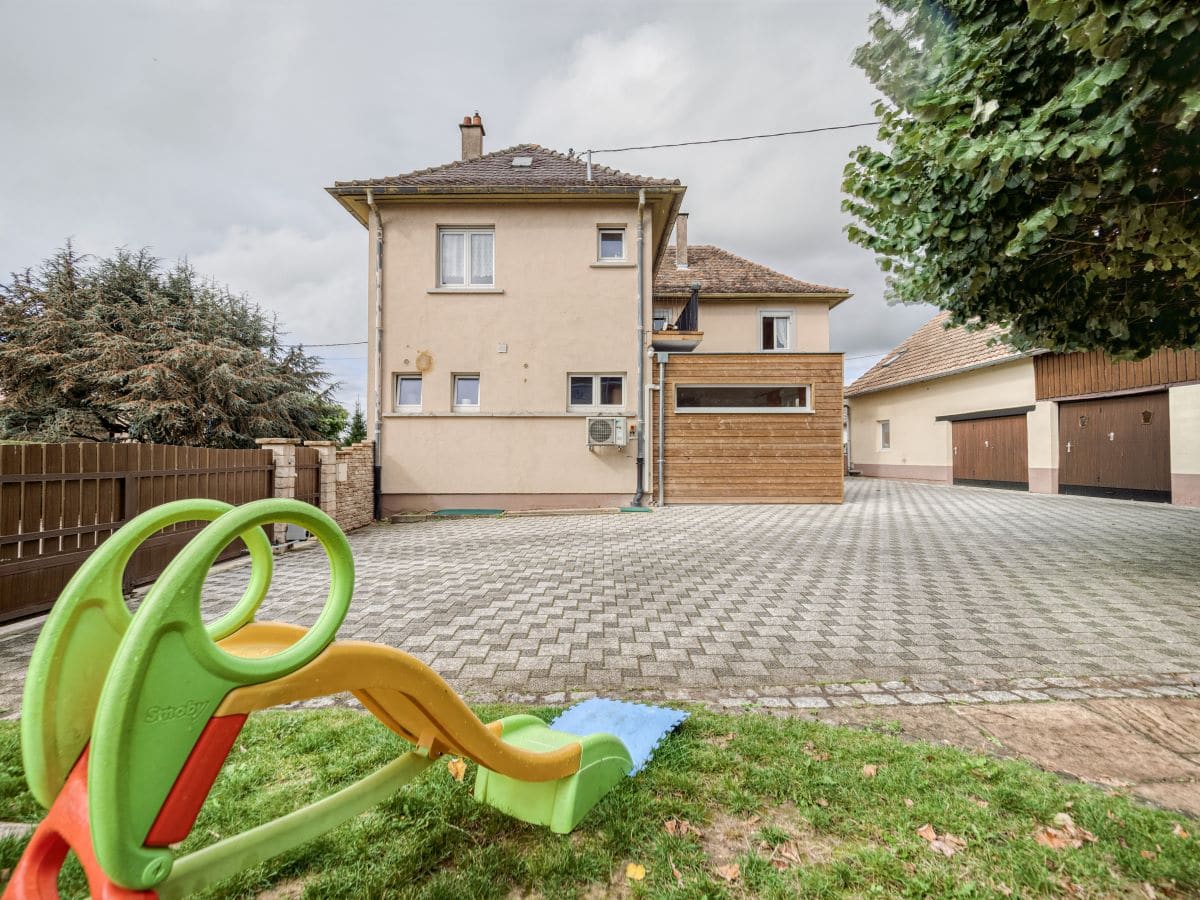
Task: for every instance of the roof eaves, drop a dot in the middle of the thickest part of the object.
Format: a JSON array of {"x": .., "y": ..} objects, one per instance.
[{"x": 934, "y": 376}]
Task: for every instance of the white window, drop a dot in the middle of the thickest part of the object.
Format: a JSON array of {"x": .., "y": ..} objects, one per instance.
[
  {"x": 595, "y": 392},
  {"x": 662, "y": 317},
  {"x": 775, "y": 329},
  {"x": 611, "y": 245},
  {"x": 466, "y": 392},
  {"x": 885, "y": 434},
  {"x": 743, "y": 398},
  {"x": 408, "y": 392},
  {"x": 466, "y": 257}
]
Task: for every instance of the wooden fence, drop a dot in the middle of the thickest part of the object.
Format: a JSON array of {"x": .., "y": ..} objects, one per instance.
[{"x": 58, "y": 502}]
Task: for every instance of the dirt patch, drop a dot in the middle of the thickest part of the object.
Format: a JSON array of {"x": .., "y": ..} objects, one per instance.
[
  {"x": 727, "y": 837},
  {"x": 291, "y": 889}
]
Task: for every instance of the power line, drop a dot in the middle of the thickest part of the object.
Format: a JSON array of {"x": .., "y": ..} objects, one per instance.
[
  {"x": 747, "y": 137},
  {"x": 342, "y": 344}
]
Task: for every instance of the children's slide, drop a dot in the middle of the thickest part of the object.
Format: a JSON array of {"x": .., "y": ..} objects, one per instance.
[{"x": 128, "y": 718}]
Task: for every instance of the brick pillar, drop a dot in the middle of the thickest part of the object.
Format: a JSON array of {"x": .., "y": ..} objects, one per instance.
[
  {"x": 329, "y": 472},
  {"x": 284, "y": 450}
]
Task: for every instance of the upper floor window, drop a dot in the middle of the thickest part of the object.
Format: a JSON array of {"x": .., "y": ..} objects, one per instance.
[
  {"x": 408, "y": 393},
  {"x": 662, "y": 318},
  {"x": 466, "y": 257},
  {"x": 587, "y": 392},
  {"x": 776, "y": 331},
  {"x": 466, "y": 393},
  {"x": 611, "y": 245}
]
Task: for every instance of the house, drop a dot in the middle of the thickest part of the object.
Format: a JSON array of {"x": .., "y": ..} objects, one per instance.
[
  {"x": 955, "y": 406},
  {"x": 531, "y": 326}
]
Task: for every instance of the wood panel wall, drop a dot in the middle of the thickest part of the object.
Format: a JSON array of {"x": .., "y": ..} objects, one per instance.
[
  {"x": 1060, "y": 375},
  {"x": 749, "y": 457},
  {"x": 58, "y": 502}
]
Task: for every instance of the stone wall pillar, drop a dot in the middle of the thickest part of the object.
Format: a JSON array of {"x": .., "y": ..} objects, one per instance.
[
  {"x": 284, "y": 450},
  {"x": 329, "y": 473}
]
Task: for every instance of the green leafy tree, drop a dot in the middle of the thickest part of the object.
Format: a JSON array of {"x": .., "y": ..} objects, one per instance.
[
  {"x": 1040, "y": 167},
  {"x": 358, "y": 425},
  {"x": 332, "y": 422},
  {"x": 100, "y": 349}
]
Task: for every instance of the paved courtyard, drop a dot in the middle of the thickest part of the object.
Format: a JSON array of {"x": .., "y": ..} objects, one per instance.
[{"x": 904, "y": 582}]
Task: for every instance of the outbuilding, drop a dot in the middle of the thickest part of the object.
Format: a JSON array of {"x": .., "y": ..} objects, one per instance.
[{"x": 963, "y": 407}]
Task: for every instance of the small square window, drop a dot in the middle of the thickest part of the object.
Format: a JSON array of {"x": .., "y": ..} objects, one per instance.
[
  {"x": 408, "y": 392},
  {"x": 885, "y": 435},
  {"x": 612, "y": 244},
  {"x": 466, "y": 392},
  {"x": 587, "y": 393},
  {"x": 581, "y": 390},
  {"x": 661, "y": 319}
]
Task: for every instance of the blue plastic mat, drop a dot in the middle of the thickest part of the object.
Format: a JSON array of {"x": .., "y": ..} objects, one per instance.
[{"x": 641, "y": 728}]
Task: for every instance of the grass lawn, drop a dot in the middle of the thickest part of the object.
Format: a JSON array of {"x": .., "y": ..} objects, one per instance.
[{"x": 792, "y": 803}]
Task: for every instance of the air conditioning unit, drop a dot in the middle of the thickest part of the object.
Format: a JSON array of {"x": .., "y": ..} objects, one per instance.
[{"x": 607, "y": 431}]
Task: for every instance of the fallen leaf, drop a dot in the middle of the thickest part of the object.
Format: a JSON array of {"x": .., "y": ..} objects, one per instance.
[
  {"x": 730, "y": 872},
  {"x": 1004, "y": 889},
  {"x": 982, "y": 804},
  {"x": 681, "y": 827},
  {"x": 678, "y": 875},
  {"x": 750, "y": 822},
  {"x": 908, "y": 803},
  {"x": 870, "y": 770},
  {"x": 1179, "y": 832},
  {"x": 1149, "y": 891},
  {"x": 822, "y": 802},
  {"x": 945, "y": 844},
  {"x": 1149, "y": 854},
  {"x": 1066, "y": 834},
  {"x": 635, "y": 871},
  {"x": 457, "y": 768}
]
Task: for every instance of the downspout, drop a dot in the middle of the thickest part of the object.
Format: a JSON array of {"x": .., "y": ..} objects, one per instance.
[
  {"x": 641, "y": 348},
  {"x": 662, "y": 390},
  {"x": 377, "y": 470}
]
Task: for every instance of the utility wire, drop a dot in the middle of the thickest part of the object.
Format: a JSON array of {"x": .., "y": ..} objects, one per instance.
[
  {"x": 342, "y": 344},
  {"x": 747, "y": 137}
]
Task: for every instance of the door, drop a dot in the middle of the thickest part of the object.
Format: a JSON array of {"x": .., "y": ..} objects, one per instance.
[
  {"x": 992, "y": 452},
  {"x": 1116, "y": 447}
]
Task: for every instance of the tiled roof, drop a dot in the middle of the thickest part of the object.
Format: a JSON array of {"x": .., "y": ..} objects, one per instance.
[
  {"x": 722, "y": 272},
  {"x": 932, "y": 351},
  {"x": 547, "y": 169}
]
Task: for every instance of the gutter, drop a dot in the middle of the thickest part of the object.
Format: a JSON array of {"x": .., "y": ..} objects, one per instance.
[
  {"x": 377, "y": 468},
  {"x": 641, "y": 347}
]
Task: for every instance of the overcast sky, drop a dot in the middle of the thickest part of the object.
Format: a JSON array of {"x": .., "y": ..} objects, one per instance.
[{"x": 208, "y": 128}]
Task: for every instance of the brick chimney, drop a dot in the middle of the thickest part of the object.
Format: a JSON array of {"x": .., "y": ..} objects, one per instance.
[
  {"x": 472, "y": 136},
  {"x": 681, "y": 259}
]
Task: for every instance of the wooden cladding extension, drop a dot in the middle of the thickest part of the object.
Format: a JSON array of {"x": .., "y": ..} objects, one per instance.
[
  {"x": 58, "y": 502},
  {"x": 1084, "y": 374},
  {"x": 768, "y": 457}
]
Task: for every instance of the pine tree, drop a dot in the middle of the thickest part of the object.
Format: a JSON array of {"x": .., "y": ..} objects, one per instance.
[
  {"x": 358, "y": 425},
  {"x": 101, "y": 349}
]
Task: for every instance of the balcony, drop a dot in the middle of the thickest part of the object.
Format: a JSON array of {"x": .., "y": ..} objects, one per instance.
[{"x": 684, "y": 334}]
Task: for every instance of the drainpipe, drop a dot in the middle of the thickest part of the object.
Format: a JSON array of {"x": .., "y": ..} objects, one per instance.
[
  {"x": 846, "y": 410},
  {"x": 377, "y": 470},
  {"x": 662, "y": 391},
  {"x": 641, "y": 350}
]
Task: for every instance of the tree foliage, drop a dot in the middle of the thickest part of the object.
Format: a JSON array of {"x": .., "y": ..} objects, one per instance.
[
  {"x": 1041, "y": 167},
  {"x": 358, "y": 426},
  {"x": 98, "y": 349}
]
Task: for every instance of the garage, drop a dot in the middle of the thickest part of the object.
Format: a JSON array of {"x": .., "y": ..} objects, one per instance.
[
  {"x": 1116, "y": 447},
  {"x": 992, "y": 452}
]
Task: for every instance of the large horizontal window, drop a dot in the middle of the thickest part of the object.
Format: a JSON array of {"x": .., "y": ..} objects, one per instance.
[{"x": 748, "y": 398}]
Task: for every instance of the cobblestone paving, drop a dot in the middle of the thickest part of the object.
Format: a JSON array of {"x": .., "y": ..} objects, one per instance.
[{"x": 909, "y": 589}]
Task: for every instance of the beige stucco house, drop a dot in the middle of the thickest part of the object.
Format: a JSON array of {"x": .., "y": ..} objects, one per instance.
[
  {"x": 528, "y": 317},
  {"x": 963, "y": 407}
]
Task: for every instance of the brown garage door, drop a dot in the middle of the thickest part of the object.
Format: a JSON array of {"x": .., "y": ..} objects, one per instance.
[
  {"x": 1116, "y": 447},
  {"x": 992, "y": 452}
]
